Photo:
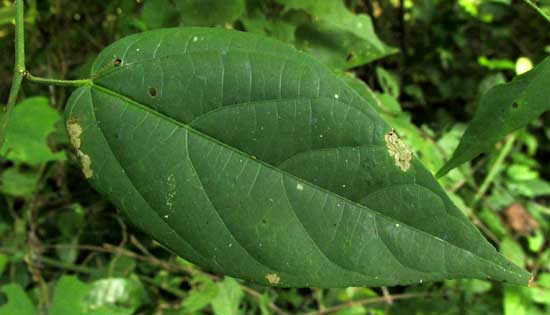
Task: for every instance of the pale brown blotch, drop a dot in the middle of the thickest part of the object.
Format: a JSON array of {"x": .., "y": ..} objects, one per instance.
[{"x": 399, "y": 150}]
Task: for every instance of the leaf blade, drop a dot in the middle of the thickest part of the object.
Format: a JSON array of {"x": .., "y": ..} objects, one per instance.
[{"x": 240, "y": 165}]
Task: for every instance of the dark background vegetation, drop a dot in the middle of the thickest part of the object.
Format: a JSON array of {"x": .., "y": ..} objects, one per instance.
[{"x": 66, "y": 250}]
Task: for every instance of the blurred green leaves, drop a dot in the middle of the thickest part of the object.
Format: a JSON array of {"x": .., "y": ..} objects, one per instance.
[
  {"x": 203, "y": 293},
  {"x": 17, "y": 183},
  {"x": 26, "y": 137},
  {"x": 108, "y": 296},
  {"x": 503, "y": 109},
  {"x": 7, "y": 14},
  {"x": 326, "y": 29},
  {"x": 210, "y": 12},
  {"x": 335, "y": 35},
  {"x": 18, "y": 301},
  {"x": 229, "y": 297},
  {"x": 158, "y": 13}
]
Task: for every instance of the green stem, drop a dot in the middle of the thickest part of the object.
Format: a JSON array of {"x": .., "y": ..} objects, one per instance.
[
  {"x": 495, "y": 168},
  {"x": 19, "y": 69},
  {"x": 64, "y": 265},
  {"x": 58, "y": 82},
  {"x": 539, "y": 10}
]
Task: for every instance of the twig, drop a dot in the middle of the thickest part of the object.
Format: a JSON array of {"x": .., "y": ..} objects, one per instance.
[
  {"x": 386, "y": 294},
  {"x": 33, "y": 245}
]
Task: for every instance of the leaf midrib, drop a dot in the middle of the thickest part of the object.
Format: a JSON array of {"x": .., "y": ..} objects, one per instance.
[{"x": 298, "y": 179}]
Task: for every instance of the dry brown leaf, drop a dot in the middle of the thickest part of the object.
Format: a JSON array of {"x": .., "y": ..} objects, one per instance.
[{"x": 519, "y": 219}]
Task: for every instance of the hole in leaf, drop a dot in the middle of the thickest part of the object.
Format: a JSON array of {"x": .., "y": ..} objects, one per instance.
[
  {"x": 117, "y": 62},
  {"x": 152, "y": 92}
]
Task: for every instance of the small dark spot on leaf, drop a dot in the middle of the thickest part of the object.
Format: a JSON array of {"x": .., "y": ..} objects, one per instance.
[
  {"x": 264, "y": 221},
  {"x": 515, "y": 105},
  {"x": 152, "y": 92},
  {"x": 117, "y": 62},
  {"x": 349, "y": 57}
]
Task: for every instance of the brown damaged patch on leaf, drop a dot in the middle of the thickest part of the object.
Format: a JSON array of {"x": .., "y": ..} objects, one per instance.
[
  {"x": 273, "y": 278},
  {"x": 86, "y": 164},
  {"x": 75, "y": 131},
  {"x": 399, "y": 150},
  {"x": 520, "y": 220}
]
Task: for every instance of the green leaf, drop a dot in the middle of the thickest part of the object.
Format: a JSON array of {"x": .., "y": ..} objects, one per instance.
[
  {"x": 229, "y": 297},
  {"x": 33, "y": 120},
  {"x": 505, "y": 108},
  {"x": 388, "y": 81},
  {"x": 516, "y": 301},
  {"x": 158, "y": 13},
  {"x": 337, "y": 36},
  {"x": 16, "y": 183},
  {"x": 513, "y": 251},
  {"x": 209, "y": 12},
  {"x": 111, "y": 296},
  {"x": 496, "y": 64},
  {"x": 18, "y": 301},
  {"x": 7, "y": 14},
  {"x": 252, "y": 159},
  {"x": 541, "y": 293},
  {"x": 258, "y": 20},
  {"x": 4, "y": 261},
  {"x": 201, "y": 295},
  {"x": 69, "y": 297}
]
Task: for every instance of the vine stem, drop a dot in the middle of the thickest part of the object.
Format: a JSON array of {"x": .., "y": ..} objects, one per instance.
[
  {"x": 19, "y": 69},
  {"x": 539, "y": 10}
]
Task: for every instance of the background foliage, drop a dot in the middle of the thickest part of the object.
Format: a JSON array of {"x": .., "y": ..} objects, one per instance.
[{"x": 424, "y": 65}]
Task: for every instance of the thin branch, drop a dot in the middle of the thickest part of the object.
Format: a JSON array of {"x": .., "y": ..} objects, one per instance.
[{"x": 386, "y": 294}]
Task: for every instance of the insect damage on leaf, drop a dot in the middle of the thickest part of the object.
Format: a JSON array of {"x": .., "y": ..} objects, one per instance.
[
  {"x": 75, "y": 130},
  {"x": 273, "y": 278},
  {"x": 86, "y": 164},
  {"x": 398, "y": 150}
]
